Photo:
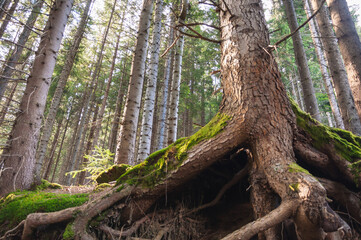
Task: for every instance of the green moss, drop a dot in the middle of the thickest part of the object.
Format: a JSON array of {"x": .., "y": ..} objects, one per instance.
[
  {"x": 102, "y": 186},
  {"x": 112, "y": 173},
  {"x": 69, "y": 232},
  {"x": 48, "y": 185},
  {"x": 153, "y": 169},
  {"x": 346, "y": 144},
  {"x": 294, "y": 167},
  {"x": 16, "y": 206}
]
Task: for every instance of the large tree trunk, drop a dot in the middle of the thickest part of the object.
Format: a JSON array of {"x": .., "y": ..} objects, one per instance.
[
  {"x": 127, "y": 137},
  {"x": 149, "y": 101},
  {"x": 337, "y": 70},
  {"x": 309, "y": 95},
  {"x": 19, "y": 157},
  {"x": 255, "y": 118},
  {"x": 350, "y": 45},
  {"x": 55, "y": 103}
]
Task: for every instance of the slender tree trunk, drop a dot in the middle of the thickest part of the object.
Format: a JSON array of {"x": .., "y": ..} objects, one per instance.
[
  {"x": 15, "y": 55},
  {"x": 203, "y": 105},
  {"x": 299, "y": 92},
  {"x": 337, "y": 70},
  {"x": 323, "y": 66},
  {"x": 177, "y": 71},
  {"x": 19, "y": 157},
  {"x": 49, "y": 161},
  {"x": 163, "y": 106},
  {"x": 64, "y": 75},
  {"x": 309, "y": 95},
  {"x": 9, "y": 14},
  {"x": 350, "y": 46},
  {"x": 4, "y": 6},
  {"x": 126, "y": 145},
  {"x": 118, "y": 109},
  {"x": 7, "y": 103},
  {"x": 149, "y": 102}
]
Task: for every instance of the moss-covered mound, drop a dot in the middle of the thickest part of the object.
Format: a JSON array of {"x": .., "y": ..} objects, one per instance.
[
  {"x": 153, "y": 169},
  {"x": 16, "y": 206},
  {"x": 48, "y": 185},
  {"x": 347, "y": 145},
  {"x": 112, "y": 173}
]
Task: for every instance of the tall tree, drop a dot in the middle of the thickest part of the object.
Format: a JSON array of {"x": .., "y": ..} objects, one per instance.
[
  {"x": 149, "y": 101},
  {"x": 309, "y": 94},
  {"x": 323, "y": 66},
  {"x": 176, "y": 80},
  {"x": 9, "y": 15},
  {"x": 350, "y": 45},
  {"x": 126, "y": 145},
  {"x": 64, "y": 76},
  {"x": 337, "y": 70},
  {"x": 19, "y": 157}
]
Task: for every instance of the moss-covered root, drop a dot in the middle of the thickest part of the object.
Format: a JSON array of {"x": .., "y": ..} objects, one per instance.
[
  {"x": 154, "y": 168},
  {"x": 347, "y": 146}
]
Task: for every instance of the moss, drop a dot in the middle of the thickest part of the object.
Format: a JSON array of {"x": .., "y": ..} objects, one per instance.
[
  {"x": 346, "y": 144},
  {"x": 154, "y": 168},
  {"x": 102, "y": 186},
  {"x": 16, "y": 206},
  {"x": 69, "y": 232},
  {"x": 112, "y": 173},
  {"x": 48, "y": 185},
  {"x": 294, "y": 167}
]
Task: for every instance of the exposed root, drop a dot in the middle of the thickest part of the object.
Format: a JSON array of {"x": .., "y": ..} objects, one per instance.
[
  {"x": 14, "y": 232},
  {"x": 284, "y": 211}
]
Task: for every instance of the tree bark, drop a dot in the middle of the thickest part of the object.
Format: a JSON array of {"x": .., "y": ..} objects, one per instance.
[
  {"x": 350, "y": 46},
  {"x": 337, "y": 70},
  {"x": 309, "y": 95},
  {"x": 126, "y": 143},
  {"x": 55, "y": 103},
  {"x": 149, "y": 102},
  {"x": 19, "y": 157},
  {"x": 323, "y": 66}
]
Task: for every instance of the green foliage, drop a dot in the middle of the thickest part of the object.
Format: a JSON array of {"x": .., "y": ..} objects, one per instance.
[
  {"x": 97, "y": 163},
  {"x": 16, "y": 206},
  {"x": 155, "y": 168},
  {"x": 69, "y": 232}
]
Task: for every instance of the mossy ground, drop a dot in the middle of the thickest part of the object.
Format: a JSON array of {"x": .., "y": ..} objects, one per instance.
[
  {"x": 346, "y": 144},
  {"x": 16, "y": 206},
  {"x": 153, "y": 169},
  {"x": 47, "y": 185}
]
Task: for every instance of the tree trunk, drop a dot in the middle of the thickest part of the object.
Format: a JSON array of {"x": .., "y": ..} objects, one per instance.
[
  {"x": 20, "y": 155},
  {"x": 350, "y": 45},
  {"x": 163, "y": 106},
  {"x": 337, "y": 70},
  {"x": 177, "y": 74},
  {"x": 126, "y": 145},
  {"x": 15, "y": 55},
  {"x": 64, "y": 75},
  {"x": 4, "y": 7},
  {"x": 323, "y": 66},
  {"x": 9, "y": 15},
  {"x": 309, "y": 95},
  {"x": 149, "y": 102}
]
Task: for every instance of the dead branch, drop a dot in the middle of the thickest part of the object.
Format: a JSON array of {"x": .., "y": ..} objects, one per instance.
[
  {"x": 284, "y": 211},
  {"x": 202, "y": 24},
  {"x": 11, "y": 42},
  {"x": 170, "y": 47},
  {"x": 198, "y": 35}
]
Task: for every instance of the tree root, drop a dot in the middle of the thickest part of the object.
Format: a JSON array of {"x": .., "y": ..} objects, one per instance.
[
  {"x": 13, "y": 232},
  {"x": 284, "y": 211}
]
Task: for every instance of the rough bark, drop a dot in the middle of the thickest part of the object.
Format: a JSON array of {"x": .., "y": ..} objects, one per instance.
[
  {"x": 56, "y": 99},
  {"x": 127, "y": 137},
  {"x": 309, "y": 95},
  {"x": 323, "y": 66},
  {"x": 337, "y": 70},
  {"x": 15, "y": 55},
  {"x": 350, "y": 45},
  {"x": 149, "y": 102},
  {"x": 19, "y": 157}
]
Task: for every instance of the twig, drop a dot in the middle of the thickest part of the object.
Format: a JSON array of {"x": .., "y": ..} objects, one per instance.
[
  {"x": 198, "y": 36},
  {"x": 203, "y": 24},
  {"x": 170, "y": 47},
  {"x": 13, "y": 232},
  {"x": 272, "y": 47},
  {"x": 11, "y": 42}
]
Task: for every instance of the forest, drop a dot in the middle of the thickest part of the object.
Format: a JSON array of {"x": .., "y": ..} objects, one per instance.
[{"x": 180, "y": 119}]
